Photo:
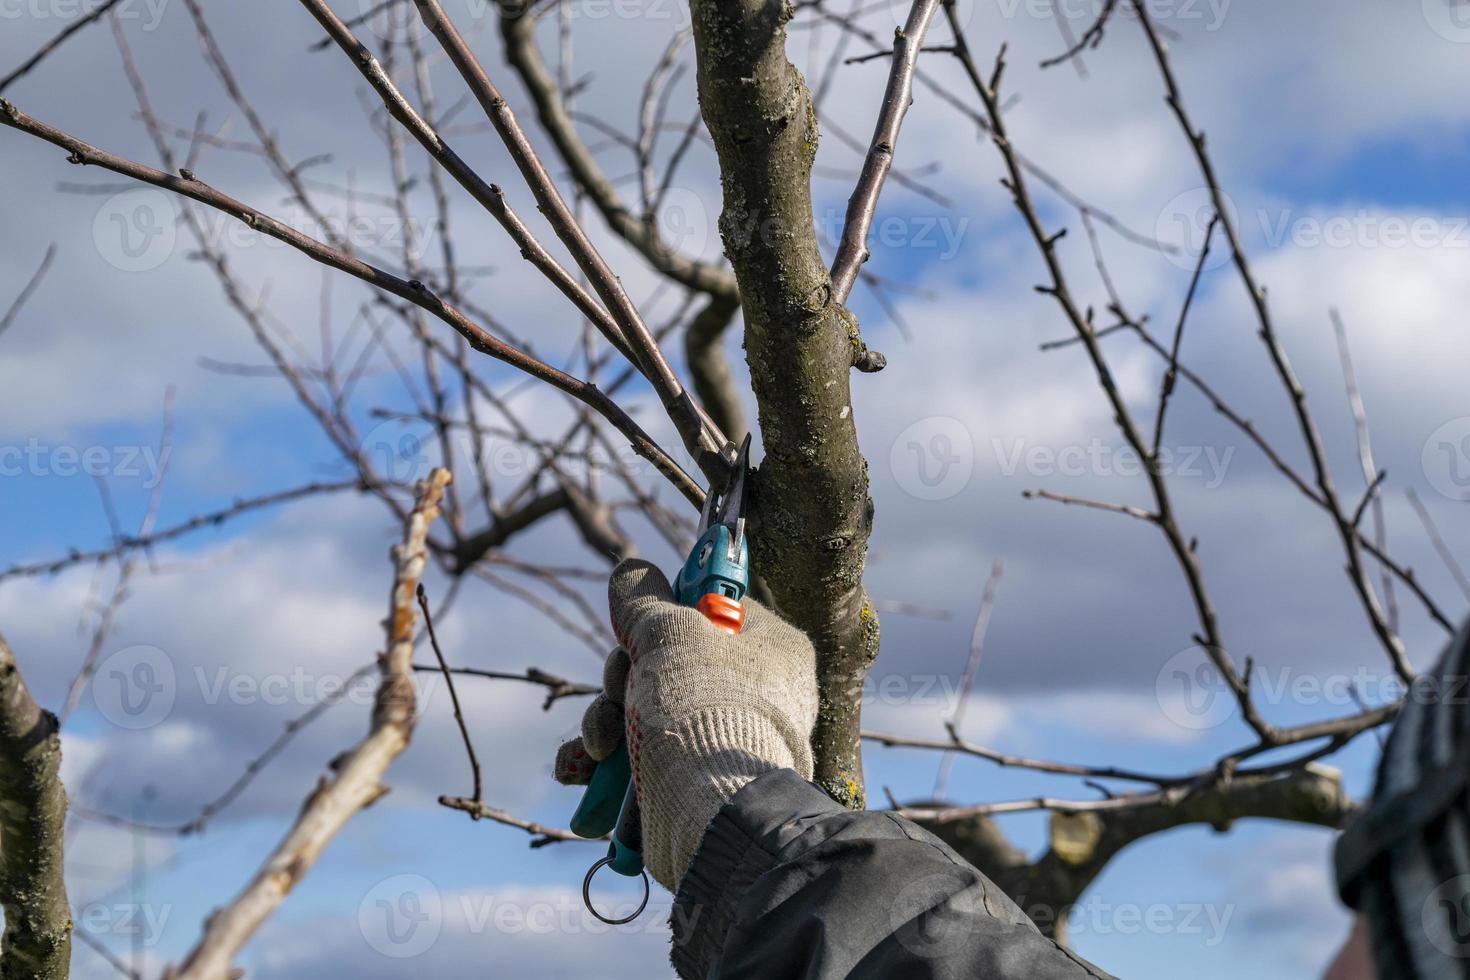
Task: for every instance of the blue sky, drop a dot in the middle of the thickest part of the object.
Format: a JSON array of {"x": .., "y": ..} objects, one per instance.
[{"x": 1339, "y": 137}]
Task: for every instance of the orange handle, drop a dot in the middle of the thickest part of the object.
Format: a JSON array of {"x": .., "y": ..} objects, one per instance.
[{"x": 726, "y": 613}]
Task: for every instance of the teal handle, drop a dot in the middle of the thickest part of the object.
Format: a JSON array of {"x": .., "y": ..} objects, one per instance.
[
  {"x": 718, "y": 564},
  {"x": 597, "y": 814}
]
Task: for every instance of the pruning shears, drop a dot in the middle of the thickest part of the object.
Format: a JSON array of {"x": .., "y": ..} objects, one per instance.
[{"x": 713, "y": 580}]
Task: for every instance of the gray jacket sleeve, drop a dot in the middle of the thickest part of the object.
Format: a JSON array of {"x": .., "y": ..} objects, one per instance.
[{"x": 787, "y": 883}]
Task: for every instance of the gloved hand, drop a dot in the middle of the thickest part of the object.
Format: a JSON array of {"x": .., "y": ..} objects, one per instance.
[{"x": 704, "y": 712}]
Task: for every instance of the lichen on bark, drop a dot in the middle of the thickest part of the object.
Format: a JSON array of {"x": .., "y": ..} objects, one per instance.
[{"x": 37, "y": 940}]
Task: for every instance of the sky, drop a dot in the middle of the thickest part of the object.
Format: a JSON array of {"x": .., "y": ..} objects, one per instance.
[{"x": 1336, "y": 133}]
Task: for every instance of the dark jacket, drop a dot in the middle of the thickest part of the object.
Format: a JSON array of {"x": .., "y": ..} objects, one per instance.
[{"x": 787, "y": 883}]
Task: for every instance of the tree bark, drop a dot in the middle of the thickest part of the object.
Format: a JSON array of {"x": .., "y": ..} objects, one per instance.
[
  {"x": 37, "y": 940},
  {"x": 811, "y": 510},
  {"x": 1082, "y": 844}
]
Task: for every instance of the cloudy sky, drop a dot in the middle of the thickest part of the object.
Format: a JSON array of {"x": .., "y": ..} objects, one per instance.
[{"x": 1336, "y": 133}]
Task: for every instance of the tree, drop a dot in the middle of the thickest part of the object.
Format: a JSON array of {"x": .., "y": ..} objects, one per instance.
[{"x": 812, "y": 511}]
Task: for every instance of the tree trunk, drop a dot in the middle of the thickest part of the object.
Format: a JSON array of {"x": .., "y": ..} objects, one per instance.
[{"x": 811, "y": 509}]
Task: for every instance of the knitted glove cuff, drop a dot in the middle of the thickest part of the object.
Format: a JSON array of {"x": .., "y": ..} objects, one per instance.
[{"x": 690, "y": 768}]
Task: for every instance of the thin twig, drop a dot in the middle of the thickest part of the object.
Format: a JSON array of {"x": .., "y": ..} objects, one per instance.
[
  {"x": 56, "y": 42},
  {"x": 972, "y": 666},
  {"x": 1312, "y": 438},
  {"x": 413, "y": 291},
  {"x": 1171, "y": 373},
  {"x": 28, "y": 289},
  {"x": 1371, "y": 475},
  {"x": 1442, "y": 549},
  {"x": 469, "y": 746},
  {"x": 357, "y": 779},
  {"x": 852, "y": 250}
]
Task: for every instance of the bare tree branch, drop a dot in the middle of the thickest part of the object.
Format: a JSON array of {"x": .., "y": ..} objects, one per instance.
[
  {"x": 701, "y": 437},
  {"x": 1371, "y": 475},
  {"x": 1437, "y": 539},
  {"x": 210, "y": 519},
  {"x": 852, "y": 251},
  {"x": 972, "y": 666},
  {"x": 357, "y": 780},
  {"x": 469, "y": 745},
  {"x": 27, "y": 289},
  {"x": 46, "y": 49},
  {"x": 252, "y": 769},
  {"x": 1310, "y": 435},
  {"x": 517, "y": 32},
  {"x": 413, "y": 291}
]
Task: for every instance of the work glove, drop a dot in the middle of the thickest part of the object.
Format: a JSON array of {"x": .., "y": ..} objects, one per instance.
[{"x": 704, "y": 712}]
